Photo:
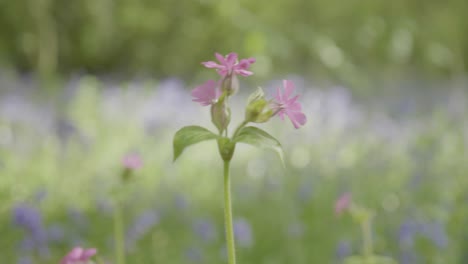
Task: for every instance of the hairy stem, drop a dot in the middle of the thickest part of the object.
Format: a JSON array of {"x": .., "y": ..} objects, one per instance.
[{"x": 228, "y": 216}]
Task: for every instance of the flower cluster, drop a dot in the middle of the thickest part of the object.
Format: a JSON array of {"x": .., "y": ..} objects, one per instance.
[{"x": 259, "y": 110}]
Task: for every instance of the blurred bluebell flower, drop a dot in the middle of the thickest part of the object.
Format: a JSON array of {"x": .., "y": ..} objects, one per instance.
[
  {"x": 25, "y": 260},
  {"x": 140, "y": 227},
  {"x": 78, "y": 218},
  {"x": 159, "y": 109},
  {"x": 295, "y": 230},
  {"x": 36, "y": 244},
  {"x": 65, "y": 129},
  {"x": 243, "y": 233},
  {"x": 181, "y": 202},
  {"x": 305, "y": 191},
  {"x": 406, "y": 233},
  {"x": 104, "y": 206},
  {"x": 205, "y": 229},
  {"x": 27, "y": 217},
  {"x": 27, "y": 244},
  {"x": 435, "y": 231},
  {"x": 30, "y": 219},
  {"x": 408, "y": 256},
  {"x": 194, "y": 255},
  {"x": 40, "y": 195},
  {"x": 343, "y": 250},
  {"x": 55, "y": 233}
]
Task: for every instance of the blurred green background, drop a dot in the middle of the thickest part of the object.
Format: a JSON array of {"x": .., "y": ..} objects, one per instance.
[
  {"x": 166, "y": 38},
  {"x": 383, "y": 84}
]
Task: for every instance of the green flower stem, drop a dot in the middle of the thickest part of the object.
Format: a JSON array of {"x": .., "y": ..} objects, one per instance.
[
  {"x": 241, "y": 125},
  {"x": 366, "y": 227},
  {"x": 119, "y": 234},
  {"x": 231, "y": 249}
]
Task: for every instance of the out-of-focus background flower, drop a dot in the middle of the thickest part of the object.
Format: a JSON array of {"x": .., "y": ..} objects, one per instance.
[{"x": 85, "y": 83}]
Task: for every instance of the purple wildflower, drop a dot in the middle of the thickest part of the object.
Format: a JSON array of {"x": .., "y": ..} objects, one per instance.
[
  {"x": 205, "y": 229},
  {"x": 194, "y": 255},
  {"x": 243, "y": 233},
  {"x": 25, "y": 260},
  {"x": 343, "y": 249},
  {"x": 435, "y": 231},
  {"x": 406, "y": 234},
  {"x": 141, "y": 226},
  {"x": 28, "y": 218}
]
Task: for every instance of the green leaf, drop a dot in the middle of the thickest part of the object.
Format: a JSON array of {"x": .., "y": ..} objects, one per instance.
[
  {"x": 190, "y": 135},
  {"x": 258, "y": 138}
]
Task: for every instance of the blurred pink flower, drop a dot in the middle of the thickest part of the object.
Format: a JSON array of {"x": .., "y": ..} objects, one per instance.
[
  {"x": 78, "y": 255},
  {"x": 132, "y": 161},
  {"x": 230, "y": 66},
  {"x": 207, "y": 93},
  {"x": 283, "y": 105},
  {"x": 343, "y": 203}
]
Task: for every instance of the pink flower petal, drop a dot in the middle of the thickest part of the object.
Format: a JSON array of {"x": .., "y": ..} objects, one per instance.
[
  {"x": 288, "y": 87},
  {"x": 207, "y": 93},
  {"x": 289, "y": 106},
  {"x": 244, "y": 73},
  {"x": 78, "y": 255},
  {"x": 72, "y": 256},
  {"x": 245, "y": 63},
  {"x": 75, "y": 253},
  {"x": 88, "y": 253},
  {"x": 211, "y": 64},
  {"x": 298, "y": 119},
  {"x": 229, "y": 65},
  {"x": 220, "y": 58},
  {"x": 231, "y": 59}
]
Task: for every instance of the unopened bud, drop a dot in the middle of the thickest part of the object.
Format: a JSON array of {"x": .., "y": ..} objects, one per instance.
[
  {"x": 220, "y": 115},
  {"x": 258, "y": 109}
]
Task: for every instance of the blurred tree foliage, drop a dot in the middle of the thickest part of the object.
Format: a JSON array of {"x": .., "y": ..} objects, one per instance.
[{"x": 166, "y": 37}]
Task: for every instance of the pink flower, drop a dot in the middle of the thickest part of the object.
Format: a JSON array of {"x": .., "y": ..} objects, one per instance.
[
  {"x": 78, "y": 255},
  {"x": 132, "y": 161},
  {"x": 342, "y": 203},
  {"x": 207, "y": 93},
  {"x": 289, "y": 106},
  {"x": 230, "y": 66}
]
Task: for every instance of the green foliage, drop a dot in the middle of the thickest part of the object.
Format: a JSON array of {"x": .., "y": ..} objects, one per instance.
[
  {"x": 256, "y": 137},
  {"x": 345, "y": 41},
  {"x": 190, "y": 135}
]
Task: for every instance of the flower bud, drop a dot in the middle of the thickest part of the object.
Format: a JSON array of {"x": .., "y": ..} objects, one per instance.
[
  {"x": 258, "y": 109},
  {"x": 220, "y": 115}
]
